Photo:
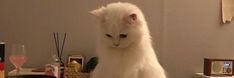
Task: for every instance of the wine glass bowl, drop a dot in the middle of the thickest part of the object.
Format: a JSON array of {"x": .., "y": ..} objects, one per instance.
[{"x": 18, "y": 56}]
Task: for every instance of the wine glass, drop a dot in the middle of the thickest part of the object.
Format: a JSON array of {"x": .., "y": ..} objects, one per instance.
[{"x": 18, "y": 56}]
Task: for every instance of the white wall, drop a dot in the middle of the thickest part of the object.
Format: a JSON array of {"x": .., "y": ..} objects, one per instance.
[{"x": 192, "y": 31}]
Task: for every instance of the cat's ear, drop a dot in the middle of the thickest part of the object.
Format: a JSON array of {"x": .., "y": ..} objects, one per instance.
[
  {"x": 131, "y": 18},
  {"x": 98, "y": 12}
]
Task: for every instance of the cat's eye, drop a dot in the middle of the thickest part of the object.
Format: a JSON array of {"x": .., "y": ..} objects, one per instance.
[
  {"x": 108, "y": 35},
  {"x": 123, "y": 35}
]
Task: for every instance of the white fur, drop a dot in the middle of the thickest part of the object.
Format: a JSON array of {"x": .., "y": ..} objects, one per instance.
[{"x": 134, "y": 57}]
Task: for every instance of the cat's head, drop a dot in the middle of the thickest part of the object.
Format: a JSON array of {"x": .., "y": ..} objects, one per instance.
[{"x": 121, "y": 24}]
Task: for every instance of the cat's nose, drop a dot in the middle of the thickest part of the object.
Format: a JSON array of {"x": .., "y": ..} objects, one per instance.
[{"x": 116, "y": 45}]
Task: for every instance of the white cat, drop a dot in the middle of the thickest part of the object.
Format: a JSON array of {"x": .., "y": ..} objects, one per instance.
[{"x": 124, "y": 47}]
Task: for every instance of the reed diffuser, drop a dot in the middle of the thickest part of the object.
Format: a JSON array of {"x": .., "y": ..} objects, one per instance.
[{"x": 59, "y": 50}]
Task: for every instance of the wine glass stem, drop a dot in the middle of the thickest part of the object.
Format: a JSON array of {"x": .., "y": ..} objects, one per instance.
[{"x": 17, "y": 70}]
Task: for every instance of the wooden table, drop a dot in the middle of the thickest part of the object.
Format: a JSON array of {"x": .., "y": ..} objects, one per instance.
[{"x": 201, "y": 75}]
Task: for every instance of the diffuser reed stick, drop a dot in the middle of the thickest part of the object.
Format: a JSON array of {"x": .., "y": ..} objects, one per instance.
[{"x": 57, "y": 44}]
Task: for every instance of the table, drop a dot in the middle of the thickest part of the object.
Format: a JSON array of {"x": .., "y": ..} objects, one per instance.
[
  {"x": 201, "y": 75},
  {"x": 26, "y": 71}
]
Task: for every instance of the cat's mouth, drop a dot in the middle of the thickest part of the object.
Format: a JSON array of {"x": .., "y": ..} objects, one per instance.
[
  {"x": 118, "y": 46},
  {"x": 115, "y": 46}
]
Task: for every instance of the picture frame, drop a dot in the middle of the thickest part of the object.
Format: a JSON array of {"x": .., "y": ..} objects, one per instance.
[{"x": 78, "y": 58}]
